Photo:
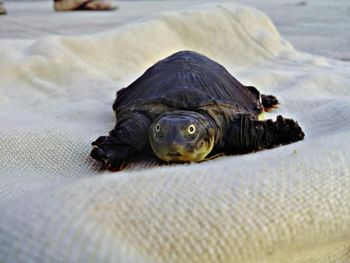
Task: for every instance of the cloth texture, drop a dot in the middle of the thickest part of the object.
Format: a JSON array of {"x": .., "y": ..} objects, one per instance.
[{"x": 288, "y": 204}]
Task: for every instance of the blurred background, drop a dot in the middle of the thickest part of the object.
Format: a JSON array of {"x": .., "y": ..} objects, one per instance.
[{"x": 321, "y": 22}]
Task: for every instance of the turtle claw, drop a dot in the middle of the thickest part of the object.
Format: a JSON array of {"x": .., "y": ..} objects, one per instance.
[
  {"x": 100, "y": 140},
  {"x": 288, "y": 130},
  {"x": 97, "y": 154},
  {"x": 111, "y": 156},
  {"x": 116, "y": 165}
]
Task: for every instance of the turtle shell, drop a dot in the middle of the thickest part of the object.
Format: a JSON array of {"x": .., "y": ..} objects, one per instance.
[{"x": 188, "y": 80}]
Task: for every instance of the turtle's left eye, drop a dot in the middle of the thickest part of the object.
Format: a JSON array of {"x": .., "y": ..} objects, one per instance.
[
  {"x": 157, "y": 127},
  {"x": 191, "y": 129}
]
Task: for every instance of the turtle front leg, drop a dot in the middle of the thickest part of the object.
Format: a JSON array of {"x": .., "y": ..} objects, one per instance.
[
  {"x": 129, "y": 136},
  {"x": 247, "y": 134}
]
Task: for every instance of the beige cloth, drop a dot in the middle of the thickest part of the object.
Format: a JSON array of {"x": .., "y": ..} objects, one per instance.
[{"x": 289, "y": 204}]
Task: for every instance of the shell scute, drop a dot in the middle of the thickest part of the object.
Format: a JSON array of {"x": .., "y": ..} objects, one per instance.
[{"x": 188, "y": 80}]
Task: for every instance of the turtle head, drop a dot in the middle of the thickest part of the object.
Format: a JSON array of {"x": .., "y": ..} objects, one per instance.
[{"x": 182, "y": 136}]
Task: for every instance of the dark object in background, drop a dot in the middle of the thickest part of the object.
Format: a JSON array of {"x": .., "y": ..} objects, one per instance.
[
  {"x": 83, "y": 5},
  {"x": 186, "y": 108},
  {"x": 2, "y": 9}
]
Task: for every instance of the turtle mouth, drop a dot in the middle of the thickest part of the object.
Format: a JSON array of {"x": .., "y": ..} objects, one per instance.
[
  {"x": 174, "y": 154},
  {"x": 181, "y": 136}
]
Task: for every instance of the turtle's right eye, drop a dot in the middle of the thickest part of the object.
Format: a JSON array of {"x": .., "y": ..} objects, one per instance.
[{"x": 157, "y": 127}]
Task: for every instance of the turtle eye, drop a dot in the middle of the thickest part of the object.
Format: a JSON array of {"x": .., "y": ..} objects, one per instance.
[
  {"x": 157, "y": 127},
  {"x": 191, "y": 129}
]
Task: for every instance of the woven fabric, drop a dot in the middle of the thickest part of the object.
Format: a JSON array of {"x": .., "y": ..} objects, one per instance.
[{"x": 288, "y": 204}]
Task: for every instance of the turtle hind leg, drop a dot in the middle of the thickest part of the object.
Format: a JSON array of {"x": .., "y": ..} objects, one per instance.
[{"x": 269, "y": 102}]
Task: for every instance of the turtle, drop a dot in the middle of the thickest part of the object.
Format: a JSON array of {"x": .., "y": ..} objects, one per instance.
[{"x": 188, "y": 108}]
